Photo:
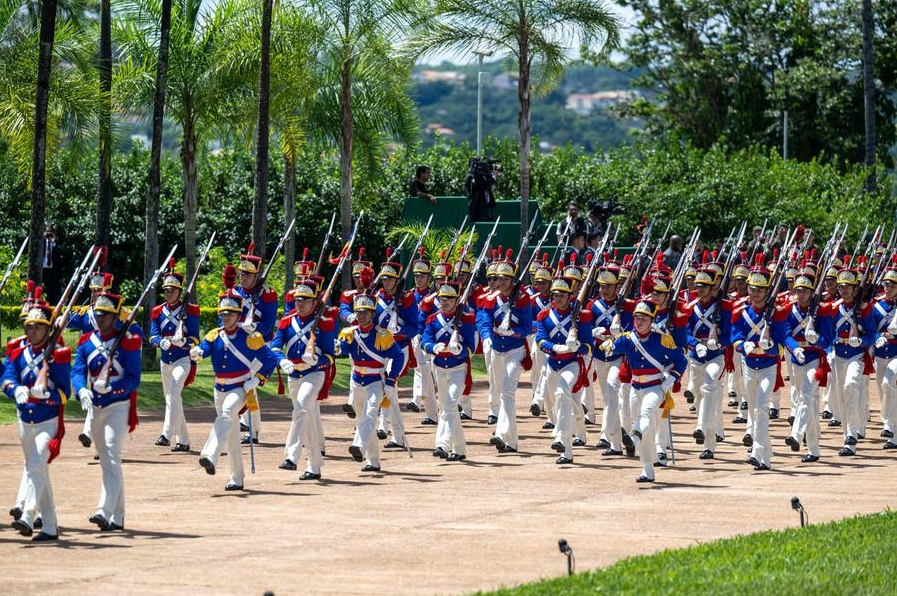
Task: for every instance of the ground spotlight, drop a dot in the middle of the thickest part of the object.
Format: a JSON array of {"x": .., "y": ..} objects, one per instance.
[
  {"x": 568, "y": 552},
  {"x": 795, "y": 504}
]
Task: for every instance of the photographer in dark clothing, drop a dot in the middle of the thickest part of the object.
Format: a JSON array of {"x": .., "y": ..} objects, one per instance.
[{"x": 481, "y": 177}]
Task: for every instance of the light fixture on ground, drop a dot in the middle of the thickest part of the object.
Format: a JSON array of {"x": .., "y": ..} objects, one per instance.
[
  {"x": 795, "y": 504},
  {"x": 568, "y": 552}
]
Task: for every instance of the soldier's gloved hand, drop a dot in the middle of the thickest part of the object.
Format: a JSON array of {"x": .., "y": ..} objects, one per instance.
[
  {"x": 438, "y": 348},
  {"x": 86, "y": 398},
  {"x": 811, "y": 336},
  {"x": 21, "y": 394},
  {"x": 165, "y": 343},
  {"x": 560, "y": 348},
  {"x": 668, "y": 382},
  {"x": 286, "y": 366},
  {"x": 251, "y": 384},
  {"x": 248, "y": 327},
  {"x": 102, "y": 387},
  {"x": 177, "y": 341},
  {"x": 616, "y": 330},
  {"x": 748, "y": 347},
  {"x": 700, "y": 350},
  {"x": 572, "y": 344},
  {"x": 504, "y": 332},
  {"x": 892, "y": 328},
  {"x": 599, "y": 332},
  {"x": 454, "y": 348},
  {"x": 800, "y": 356},
  {"x": 881, "y": 342},
  {"x": 39, "y": 392},
  {"x": 351, "y": 318},
  {"x": 196, "y": 354},
  {"x": 765, "y": 344},
  {"x": 607, "y": 346},
  {"x": 487, "y": 344},
  {"x": 712, "y": 344},
  {"x": 310, "y": 358},
  {"x": 854, "y": 342},
  {"x": 415, "y": 342}
]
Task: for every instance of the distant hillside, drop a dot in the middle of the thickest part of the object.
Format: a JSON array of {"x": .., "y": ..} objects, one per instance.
[{"x": 577, "y": 111}]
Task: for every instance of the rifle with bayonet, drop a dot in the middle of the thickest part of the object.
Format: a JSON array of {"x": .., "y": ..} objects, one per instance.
[
  {"x": 320, "y": 261},
  {"x": 524, "y": 242},
  {"x": 249, "y": 319},
  {"x": 723, "y": 293},
  {"x": 678, "y": 281},
  {"x": 13, "y": 264},
  {"x": 585, "y": 287},
  {"x": 535, "y": 253},
  {"x": 471, "y": 283},
  {"x": 178, "y": 337}
]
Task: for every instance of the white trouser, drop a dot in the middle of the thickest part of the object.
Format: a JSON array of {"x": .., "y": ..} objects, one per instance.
[
  {"x": 304, "y": 428},
  {"x": 758, "y": 385},
  {"x": 846, "y": 373},
  {"x": 39, "y": 496},
  {"x": 689, "y": 370},
  {"x": 536, "y": 372},
  {"x": 886, "y": 376},
  {"x": 110, "y": 427},
  {"x": 449, "y": 387},
  {"x": 424, "y": 389},
  {"x": 88, "y": 422},
  {"x": 547, "y": 398},
  {"x": 353, "y": 398},
  {"x": 645, "y": 402},
  {"x": 225, "y": 435},
  {"x": 507, "y": 369},
  {"x": 832, "y": 405},
  {"x": 806, "y": 416},
  {"x": 256, "y": 425},
  {"x": 587, "y": 395},
  {"x": 608, "y": 373},
  {"x": 736, "y": 378},
  {"x": 369, "y": 396},
  {"x": 24, "y": 489},
  {"x": 391, "y": 417},
  {"x": 708, "y": 375},
  {"x": 795, "y": 397},
  {"x": 559, "y": 383},
  {"x": 494, "y": 379},
  {"x": 625, "y": 399},
  {"x": 173, "y": 377}
]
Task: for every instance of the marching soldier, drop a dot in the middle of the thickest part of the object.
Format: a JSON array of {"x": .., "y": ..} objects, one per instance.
[
  {"x": 241, "y": 364},
  {"x": 540, "y": 294},
  {"x": 884, "y": 315},
  {"x": 657, "y": 364},
  {"x": 423, "y": 390},
  {"x": 113, "y": 402},
  {"x": 449, "y": 336},
  {"x": 174, "y": 330},
  {"x": 362, "y": 278},
  {"x": 557, "y": 336},
  {"x": 491, "y": 370},
  {"x": 40, "y": 411},
  {"x": 310, "y": 375},
  {"x": 377, "y": 362},
  {"x": 504, "y": 327},
  {"x": 463, "y": 269}
]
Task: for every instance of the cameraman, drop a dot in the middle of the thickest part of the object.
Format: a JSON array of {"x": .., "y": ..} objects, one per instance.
[
  {"x": 419, "y": 185},
  {"x": 481, "y": 176},
  {"x": 576, "y": 223},
  {"x": 52, "y": 265}
]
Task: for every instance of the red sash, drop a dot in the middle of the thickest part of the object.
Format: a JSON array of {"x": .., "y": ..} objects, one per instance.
[{"x": 55, "y": 444}]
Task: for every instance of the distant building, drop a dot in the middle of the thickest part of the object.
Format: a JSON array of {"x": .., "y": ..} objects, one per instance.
[
  {"x": 438, "y": 76},
  {"x": 438, "y": 128},
  {"x": 584, "y": 103}
]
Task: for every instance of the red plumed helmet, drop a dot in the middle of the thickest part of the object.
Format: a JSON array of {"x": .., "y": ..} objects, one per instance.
[
  {"x": 714, "y": 254},
  {"x": 775, "y": 254},
  {"x": 589, "y": 257},
  {"x": 104, "y": 254},
  {"x": 545, "y": 258},
  {"x": 560, "y": 265},
  {"x": 229, "y": 276},
  {"x": 388, "y": 252},
  {"x": 758, "y": 259},
  {"x": 360, "y": 253},
  {"x": 421, "y": 251},
  {"x": 366, "y": 277},
  {"x": 305, "y": 254},
  {"x": 846, "y": 260},
  {"x": 29, "y": 288},
  {"x": 508, "y": 254},
  {"x": 705, "y": 257},
  {"x": 38, "y": 292}
]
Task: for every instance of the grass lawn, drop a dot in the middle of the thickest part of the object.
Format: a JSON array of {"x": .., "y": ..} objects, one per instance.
[{"x": 853, "y": 556}]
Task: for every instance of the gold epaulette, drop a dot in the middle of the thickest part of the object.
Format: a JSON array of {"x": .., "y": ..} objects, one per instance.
[
  {"x": 212, "y": 335},
  {"x": 384, "y": 339},
  {"x": 255, "y": 341},
  {"x": 667, "y": 341},
  {"x": 123, "y": 314}
]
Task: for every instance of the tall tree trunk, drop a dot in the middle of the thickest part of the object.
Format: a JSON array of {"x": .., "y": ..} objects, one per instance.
[
  {"x": 191, "y": 192},
  {"x": 38, "y": 162},
  {"x": 104, "y": 178},
  {"x": 345, "y": 178},
  {"x": 154, "y": 187},
  {"x": 289, "y": 212},
  {"x": 523, "y": 123},
  {"x": 260, "y": 201},
  {"x": 869, "y": 93}
]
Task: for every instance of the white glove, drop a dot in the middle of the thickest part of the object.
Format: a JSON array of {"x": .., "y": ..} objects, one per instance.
[
  {"x": 251, "y": 384},
  {"x": 881, "y": 342},
  {"x": 196, "y": 354},
  {"x": 454, "y": 348},
  {"x": 811, "y": 336},
  {"x": 310, "y": 359},
  {"x": 393, "y": 325},
  {"x": 39, "y": 392},
  {"x": 748, "y": 347},
  {"x": 892, "y": 328},
  {"x": 712, "y": 344},
  {"x": 503, "y": 332},
  {"x": 573, "y": 345},
  {"x": 351, "y": 318},
  {"x": 700, "y": 350},
  {"x": 102, "y": 387},
  {"x": 86, "y": 398},
  {"x": 165, "y": 343},
  {"x": 668, "y": 382},
  {"x": 286, "y": 366},
  {"x": 854, "y": 342},
  {"x": 177, "y": 341},
  {"x": 599, "y": 331},
  {"x": 607, "y": 346},
  {"x": 248, "y": 327},
  {"x": 415, "y": 342},
  {"x": 487, "y": 344},
  {"x": 616, "y": 330},
  {"x": 438, "y": 348},
  {"x": 799, "y": 355},
  {"x": 765, "y": 344},
  {"x": 560, "y": 348},
  {"x": 21, "y": 393}
]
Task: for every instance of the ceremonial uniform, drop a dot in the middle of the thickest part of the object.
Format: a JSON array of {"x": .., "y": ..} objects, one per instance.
[
  {"x": 40, "y": 420},
  {"x": 884, "y": 318},
  {"x": 377, "y": 362},
  {"x": 174, "y": 329},
  {"x": 558, "y": 337},
  {"x": 240, "y": 366},
  {"x": 451, "y": 364},
  {"x": 310, "y": 376},
  {"x": 656, "y": 363},
  {"x": 541, "y": 275},
  {"x": 362, "y": 277},
  {"x": 113, "y": 403},
  {"x": 423, "y": 392}
]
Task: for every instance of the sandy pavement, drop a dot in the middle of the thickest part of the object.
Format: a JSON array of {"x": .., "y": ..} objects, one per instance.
[{"x": 423, "y": 525}]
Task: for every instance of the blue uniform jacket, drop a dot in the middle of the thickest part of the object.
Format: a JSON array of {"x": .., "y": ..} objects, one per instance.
[
  {"x": 233, "y": 361},
  {"x": 406, "y": 312},
  {"x": 839, "y": 316},
  {"x": 264, "y": 309},
  {"x": 165, "y": 324},
  {"x": 661, "y": 347},
  {"x": 748, "y": 324},
  {"x": 124, "y": 375},
  {"x": 697, "y": 327},
  {"x": 439, "y": 329},
  {"x": 553, "y": 327},
  {"x": 292, "y": 337},
  {"x": 368, "y": 361},
  {"x": 22, "y": 367},
  {"x": 795, "y": 334},
  {"x": 603, "y": 315},
  {"x": 882, "y": 311},
  {"x": 494, "y": 308}
]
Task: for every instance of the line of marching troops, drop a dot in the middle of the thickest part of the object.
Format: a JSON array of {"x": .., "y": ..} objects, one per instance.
[{"x": 624, "y": 349}]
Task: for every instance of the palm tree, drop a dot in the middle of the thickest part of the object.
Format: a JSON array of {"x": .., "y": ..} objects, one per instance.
[
  {"x": 104, "y": 165},
  {"x": 260, "y": 200},
  {"x": 869, "y": 93},
  {"x": 198, "y": 86},
  {"x": 538, "y": 35}
]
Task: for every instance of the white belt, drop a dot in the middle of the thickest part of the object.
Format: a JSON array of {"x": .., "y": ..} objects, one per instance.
[
  {"x": 647, "y": 378},
  {"x": 366, "y": 370}
]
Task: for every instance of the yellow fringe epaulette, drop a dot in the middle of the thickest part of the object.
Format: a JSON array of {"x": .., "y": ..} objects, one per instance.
[
  {"x": 212, "y": 335},
  {"x": 123, "y": 314},
  {"x": 347, "y": 334},
  {"x": 667, "y": 405},
  {"x": 667, "y": 341},
  {"x": 255, "y": 341},
  {"x": 384, "y": 339}
]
